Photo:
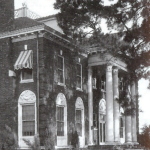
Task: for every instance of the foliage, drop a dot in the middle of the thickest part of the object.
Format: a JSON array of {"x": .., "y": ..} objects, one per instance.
[
  {"x": 144, "y": 137},
  {"x": 50, "y": 138},
  {"x": 35, "y": 144},
  {"x": 8, "y": 140},
  {"x": 81, "y": 20}
]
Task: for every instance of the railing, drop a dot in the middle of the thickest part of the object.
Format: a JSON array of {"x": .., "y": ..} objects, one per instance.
[{"x": 25, "y": 12}]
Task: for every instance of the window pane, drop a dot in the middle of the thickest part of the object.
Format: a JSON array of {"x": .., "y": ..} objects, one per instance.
[
  {"x": 60, "y": 128},
  {"x": 78, "y": 81},
  {"x": 78, "y": 69},
  {"x": 79, "y": 128},
  {"x": 60, "y": 121},
  {"x": 28, "y": 112},
  {"x": 60, "y": 62},
  {"x": 28, "y": 128},
  {"x": 26, "y": 74},
  {"x": 60, "y": 76},
  {"x": 79, "y": 122},
  {"x": 28, "y": 120}
]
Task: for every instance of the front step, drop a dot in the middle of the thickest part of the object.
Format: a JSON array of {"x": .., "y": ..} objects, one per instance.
[{"x": 115, "y": 147}]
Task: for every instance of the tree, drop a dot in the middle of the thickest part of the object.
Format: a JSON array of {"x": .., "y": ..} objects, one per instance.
[
  {"x": 144, "y": 136},
  {"x": 81, "y": 19}
]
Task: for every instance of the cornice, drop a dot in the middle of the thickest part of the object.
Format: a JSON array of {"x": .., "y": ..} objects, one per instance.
[{"x": 20, "y": 32}]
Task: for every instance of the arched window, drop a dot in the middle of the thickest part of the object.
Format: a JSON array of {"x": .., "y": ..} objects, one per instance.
[
  {"x": 79, "y": 120},
  {"x": 27, "y": 126},
  {"x": 61, "y": 119}
]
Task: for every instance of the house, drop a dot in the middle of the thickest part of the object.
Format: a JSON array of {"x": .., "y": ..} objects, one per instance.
[{"x": 49, "y": 88}]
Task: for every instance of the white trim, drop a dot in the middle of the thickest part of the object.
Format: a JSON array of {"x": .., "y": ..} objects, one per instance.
[{"x": 26, "y": 98}]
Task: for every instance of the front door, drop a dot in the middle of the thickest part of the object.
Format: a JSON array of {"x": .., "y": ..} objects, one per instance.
[{"x": 101, "y": 129}]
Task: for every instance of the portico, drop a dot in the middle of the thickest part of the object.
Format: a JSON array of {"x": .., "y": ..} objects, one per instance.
[{"x": 112, "y": 129}]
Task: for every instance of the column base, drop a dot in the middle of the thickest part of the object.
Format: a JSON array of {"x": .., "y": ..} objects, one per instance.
[
  {"x": 135, "y": 143},
  {"x": 117, "y": 142},
  {"x": 110, "y": 143},
  {"x": 128, "y": 143}
]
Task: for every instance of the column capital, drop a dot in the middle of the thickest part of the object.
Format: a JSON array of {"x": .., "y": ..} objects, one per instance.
[
  {"x": 109, "y": 68},
  {"x": 115, "y": 70}
]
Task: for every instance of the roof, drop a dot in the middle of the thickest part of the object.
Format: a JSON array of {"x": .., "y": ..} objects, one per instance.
[
  {"x": 22, "y": 22},
  {"x": 46, "y": 17}
]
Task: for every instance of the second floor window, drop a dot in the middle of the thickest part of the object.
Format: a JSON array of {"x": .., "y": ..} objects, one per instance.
[
  {"x": 79, "y": 76},
  {"x": 60, "y": 69},
  {"x": 26, "y": 74}
]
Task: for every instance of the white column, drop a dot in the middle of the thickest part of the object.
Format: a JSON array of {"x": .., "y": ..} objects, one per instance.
[
  {"x": 128, "y": 130},
  {"x": 109, "y": 106},
  {"x": 133, "y": 118},
  {"x": 116, "y": 106},
  {"x": 128, "y": 134},
  {"x": 90, "y": 105}
]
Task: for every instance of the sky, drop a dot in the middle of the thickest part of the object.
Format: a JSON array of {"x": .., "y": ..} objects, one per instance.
[{"x": 45, "y": 8}]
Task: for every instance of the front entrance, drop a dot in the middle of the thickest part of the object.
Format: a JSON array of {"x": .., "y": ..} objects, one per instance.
[{"x": 101, "y": 129}]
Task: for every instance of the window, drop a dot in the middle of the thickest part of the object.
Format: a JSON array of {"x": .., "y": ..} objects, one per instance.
[
  {"x": 121, "y": 84},
  {"x": 79, "y": 76},
  {"x": 94, "y": 83},
  {"x": 79, "y": 122},
  {"x": 121, "y": 127},
  {"x": 95, "y": 120},
  {"x": 28, "y": 120},
  {"x": 60, "y": 121},
  {"x": 103, "y": 84},
  {"x": 26, "y": 74},
  {"x": 60, "y": 69}
]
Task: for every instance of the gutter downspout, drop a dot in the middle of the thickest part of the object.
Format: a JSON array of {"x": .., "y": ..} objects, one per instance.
[{"x": 37, "y": 44}]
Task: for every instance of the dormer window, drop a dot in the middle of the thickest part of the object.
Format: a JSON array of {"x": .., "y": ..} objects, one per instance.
[{"x": 79, "y": 76}]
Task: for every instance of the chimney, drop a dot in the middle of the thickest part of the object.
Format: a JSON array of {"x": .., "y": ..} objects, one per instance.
[{"x": 6, "y": 14}]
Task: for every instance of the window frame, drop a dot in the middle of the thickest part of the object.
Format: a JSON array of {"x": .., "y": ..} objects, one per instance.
[
  {"x": 63, "y": 70},
  {"x": 79, "y": 76}
]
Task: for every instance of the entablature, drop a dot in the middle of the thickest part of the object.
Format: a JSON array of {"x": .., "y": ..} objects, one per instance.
[{"x": 106, "y": 58}]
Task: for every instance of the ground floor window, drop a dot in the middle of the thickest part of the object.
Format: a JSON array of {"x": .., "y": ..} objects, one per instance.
[
  {"x": 28, "y": 120},
  {"x": 79, "y": 120},
  {"x": 27, "y": 126},
  {"x": 61, "y": 120},
  {"x": 121, "y": 127}
]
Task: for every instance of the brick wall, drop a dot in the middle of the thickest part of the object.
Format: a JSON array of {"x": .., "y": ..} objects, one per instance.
[{"x": 7, "y": 13}]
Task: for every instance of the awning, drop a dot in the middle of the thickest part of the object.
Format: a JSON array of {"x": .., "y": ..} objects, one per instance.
[{"x": 24, "y": 60}]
